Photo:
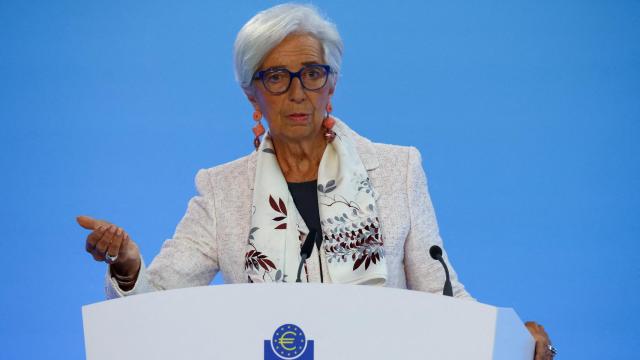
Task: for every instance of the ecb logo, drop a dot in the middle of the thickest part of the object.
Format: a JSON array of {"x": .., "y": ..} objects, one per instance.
[{"x": 288, "y": 342}]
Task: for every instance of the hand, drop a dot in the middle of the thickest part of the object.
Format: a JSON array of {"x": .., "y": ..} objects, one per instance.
[
  {"x": 107, "y": 238},
  {"x": 542, "y": 341}
]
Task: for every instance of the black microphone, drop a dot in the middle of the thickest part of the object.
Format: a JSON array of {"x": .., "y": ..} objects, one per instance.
[
  {"x": 436, "y": 253},
  {"x": 307, "y": 249}
]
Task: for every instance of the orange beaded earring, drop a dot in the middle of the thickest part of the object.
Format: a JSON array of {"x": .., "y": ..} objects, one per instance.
[
  {"x": 258, "y": 129},
  {"x": 328, "y": 124}
]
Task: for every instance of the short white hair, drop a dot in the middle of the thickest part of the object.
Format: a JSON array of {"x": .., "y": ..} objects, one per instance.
[{"x": 269, "y": 27}]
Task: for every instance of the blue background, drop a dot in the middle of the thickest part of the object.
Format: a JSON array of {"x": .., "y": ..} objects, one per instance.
[{"x": 526, "y": 113}]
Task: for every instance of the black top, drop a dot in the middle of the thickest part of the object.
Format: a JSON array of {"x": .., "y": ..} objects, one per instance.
[{"x": 305, "y": 196}]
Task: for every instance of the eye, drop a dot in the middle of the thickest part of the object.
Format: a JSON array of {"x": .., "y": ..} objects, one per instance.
[
  {"x": 314, "y": 73},
  {"x": 275, "y": 77}
]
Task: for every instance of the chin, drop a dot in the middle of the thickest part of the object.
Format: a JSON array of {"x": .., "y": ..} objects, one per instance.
[{"x": 297, "y": 133}]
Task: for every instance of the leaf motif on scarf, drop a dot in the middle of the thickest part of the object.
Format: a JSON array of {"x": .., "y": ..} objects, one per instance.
[
  {"x": 273, "y": 204},
  {"x": 256, "y": 260},
  {"x": 328, "y": 187},
  {"x": 283, "y": 208},
  {"x": 368, "y": 258},
  {"x": 362, "y": 245},
  {"x": 251, "y": 238},
  {"x": 279, "y": 207}
]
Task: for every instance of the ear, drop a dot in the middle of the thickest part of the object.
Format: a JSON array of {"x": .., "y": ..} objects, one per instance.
[
  {"x": 334, "y": 82},
  {"x": 252, "y": 99}
]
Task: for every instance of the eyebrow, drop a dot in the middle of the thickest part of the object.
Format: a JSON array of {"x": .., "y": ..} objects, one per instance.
[{"x": 283, "y": 67}]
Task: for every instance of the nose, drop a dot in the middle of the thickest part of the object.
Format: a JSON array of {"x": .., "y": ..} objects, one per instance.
[{"x": 296, "y": 91}]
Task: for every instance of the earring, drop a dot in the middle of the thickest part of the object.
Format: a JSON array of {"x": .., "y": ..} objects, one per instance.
[
  {"x": 258, "y": 129},
  {"x": 328, "y": 124}
]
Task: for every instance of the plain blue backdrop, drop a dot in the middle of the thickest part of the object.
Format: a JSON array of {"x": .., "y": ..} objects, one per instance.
[{"x": 526, "y": 113}]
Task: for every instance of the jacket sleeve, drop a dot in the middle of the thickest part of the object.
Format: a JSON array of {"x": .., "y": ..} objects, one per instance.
[
  {"x": 422, "y": 272},
  {"x": 189, "y": 258}
]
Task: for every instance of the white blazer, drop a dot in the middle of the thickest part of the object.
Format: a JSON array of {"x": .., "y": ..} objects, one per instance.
[{"x": 212, "y": 235}]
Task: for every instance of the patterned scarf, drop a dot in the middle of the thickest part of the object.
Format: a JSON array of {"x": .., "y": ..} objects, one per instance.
[{"x": 352, "y": 238}]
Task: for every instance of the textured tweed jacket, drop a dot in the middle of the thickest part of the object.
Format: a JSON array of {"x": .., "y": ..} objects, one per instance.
[{"x": 212, "y": 235}]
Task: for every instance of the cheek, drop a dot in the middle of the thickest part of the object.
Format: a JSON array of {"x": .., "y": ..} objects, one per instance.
[
  {"x": 273, "y": 109},
  {"x": 321, "y": 103},
  {"x": 268, "y": 105}
]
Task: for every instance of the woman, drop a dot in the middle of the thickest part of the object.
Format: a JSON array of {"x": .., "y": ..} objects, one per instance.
[{"x": 311, "y": 174}]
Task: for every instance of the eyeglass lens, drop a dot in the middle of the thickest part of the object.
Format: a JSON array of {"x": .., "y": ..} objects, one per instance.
[{"x": 277, "y": 80}]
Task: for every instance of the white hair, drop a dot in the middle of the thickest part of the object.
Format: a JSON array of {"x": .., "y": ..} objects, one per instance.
[{"x": 269, "y": 27}]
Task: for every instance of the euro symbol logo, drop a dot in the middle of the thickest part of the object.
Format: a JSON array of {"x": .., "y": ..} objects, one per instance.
[
  {"x": 287, "y": 343},
  {"x": 284, "y": 340}
]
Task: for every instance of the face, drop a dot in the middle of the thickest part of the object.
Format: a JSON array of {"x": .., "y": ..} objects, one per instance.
[{"x": 297, "y": 114}]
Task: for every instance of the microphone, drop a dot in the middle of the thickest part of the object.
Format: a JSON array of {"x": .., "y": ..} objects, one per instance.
[
  {"x": 307, "y": 249},
  {"x": 436, "y": 254}
]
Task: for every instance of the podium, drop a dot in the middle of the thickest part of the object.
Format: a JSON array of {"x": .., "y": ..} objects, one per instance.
[{"x": 301, "y": 321}]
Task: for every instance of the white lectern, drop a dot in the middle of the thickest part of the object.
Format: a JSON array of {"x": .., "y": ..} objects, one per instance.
[{"x": 301, "y": 321}]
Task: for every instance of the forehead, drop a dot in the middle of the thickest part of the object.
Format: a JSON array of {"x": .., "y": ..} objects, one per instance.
[{"x": 294, "y": 51}]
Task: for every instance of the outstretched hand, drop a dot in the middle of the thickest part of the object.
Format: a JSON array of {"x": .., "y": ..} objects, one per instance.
[{"x": 111, "y": 244}]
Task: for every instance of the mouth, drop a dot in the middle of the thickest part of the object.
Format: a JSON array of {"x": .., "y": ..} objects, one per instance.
[{"x": 298, "y": 117}]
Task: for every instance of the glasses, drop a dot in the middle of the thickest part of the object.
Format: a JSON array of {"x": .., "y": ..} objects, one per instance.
[{"x": 278, "y": 80}]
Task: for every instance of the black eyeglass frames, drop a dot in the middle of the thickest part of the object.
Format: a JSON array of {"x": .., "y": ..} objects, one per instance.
[{"x": 278, "y": 80}]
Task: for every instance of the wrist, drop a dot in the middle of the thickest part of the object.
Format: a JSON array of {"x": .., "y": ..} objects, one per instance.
[{"x": 126, "y": 271}]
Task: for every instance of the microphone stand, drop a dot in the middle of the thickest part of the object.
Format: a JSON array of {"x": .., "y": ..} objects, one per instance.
[{"x": 436, "y": 254}]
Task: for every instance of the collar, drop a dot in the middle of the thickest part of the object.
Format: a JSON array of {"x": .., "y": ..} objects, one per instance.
[{"x": 364, "y": 147}]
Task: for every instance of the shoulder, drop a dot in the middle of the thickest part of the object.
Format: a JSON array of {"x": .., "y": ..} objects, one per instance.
[
  {"x": 399, "y": 166},
  {"x": 230, "y": 175},
  {"x": 390, "y": 153},
  {"x": 390, "y": 158}
]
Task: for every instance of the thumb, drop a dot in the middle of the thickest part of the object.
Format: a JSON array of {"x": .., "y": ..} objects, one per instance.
[{"x": 89, "y": 223}]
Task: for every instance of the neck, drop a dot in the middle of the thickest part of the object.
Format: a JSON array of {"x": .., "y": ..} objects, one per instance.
[{"x": 299, "y": 160}]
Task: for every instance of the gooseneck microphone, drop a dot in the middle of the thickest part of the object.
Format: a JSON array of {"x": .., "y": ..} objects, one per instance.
[
  {"x": 307, "y": 249},
  {"x": 436, "y": 254}
]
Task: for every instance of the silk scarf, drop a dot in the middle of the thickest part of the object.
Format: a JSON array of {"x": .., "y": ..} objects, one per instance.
[{"x": 352, "y": 239}]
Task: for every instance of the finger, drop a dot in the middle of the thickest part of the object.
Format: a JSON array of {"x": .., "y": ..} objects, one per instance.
[
  {"x": 90, "y": 223},
  {"x": 532, "y": 327},
  {"x": 114, "y": 248},
  {"x": 541, "y": 351},
  {"x": 548, "y": 355},
  {"x": 101, "y": 233},
  {"x": 94, "y": 237},
  {"x": 106, "y": 239},
  {"x": 125, "y": 243},
  {"x": 97, "y": 256},
  {"x": 86, "y": 222},
  {"x": 543, "y": 332}
]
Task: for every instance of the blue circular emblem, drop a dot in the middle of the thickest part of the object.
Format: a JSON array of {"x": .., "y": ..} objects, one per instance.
[{"x": 288, "y": 341}]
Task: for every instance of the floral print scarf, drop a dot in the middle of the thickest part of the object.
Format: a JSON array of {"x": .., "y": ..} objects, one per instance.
[{"x": 352, "y": 239}]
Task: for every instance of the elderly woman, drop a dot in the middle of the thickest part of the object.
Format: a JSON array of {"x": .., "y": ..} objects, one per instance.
[{"x": 310, "y": 174}]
